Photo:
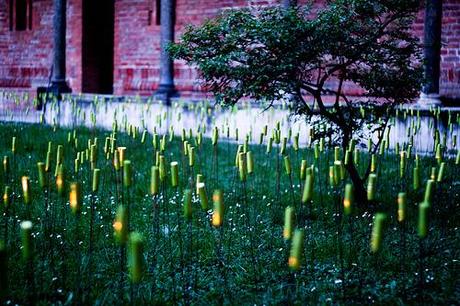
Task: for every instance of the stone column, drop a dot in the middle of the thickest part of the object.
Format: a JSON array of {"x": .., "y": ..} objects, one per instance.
[
  {"x": 432, "y": 52},
  {"x": 166, "y": 88},
  {"x": 58, "y": 81}
]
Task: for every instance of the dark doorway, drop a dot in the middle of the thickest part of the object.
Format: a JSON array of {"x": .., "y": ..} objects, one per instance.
[{"x": 97, "y": 49}]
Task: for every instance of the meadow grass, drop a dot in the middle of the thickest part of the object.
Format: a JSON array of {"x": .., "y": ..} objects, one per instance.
[{"x": 243, "y": 262}]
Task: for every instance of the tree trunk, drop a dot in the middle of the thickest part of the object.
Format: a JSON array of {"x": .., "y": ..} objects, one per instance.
[{"x": 358, "y": 184}]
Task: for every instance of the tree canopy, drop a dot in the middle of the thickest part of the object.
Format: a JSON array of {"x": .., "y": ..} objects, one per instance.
[{"x": 305, "y": 55}]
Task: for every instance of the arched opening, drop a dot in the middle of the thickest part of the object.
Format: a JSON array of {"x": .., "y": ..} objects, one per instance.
[{"x": 97, "y": 48}]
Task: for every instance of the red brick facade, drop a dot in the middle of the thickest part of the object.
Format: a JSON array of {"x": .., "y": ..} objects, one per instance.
[{"x": 25, "y": 56}]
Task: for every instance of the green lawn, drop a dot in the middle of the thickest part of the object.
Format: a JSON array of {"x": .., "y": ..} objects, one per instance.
[{"x": 243, "y": 262}]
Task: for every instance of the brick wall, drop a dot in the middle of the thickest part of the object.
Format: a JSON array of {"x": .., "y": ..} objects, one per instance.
[
  {"x": 26, "y": 55},
  {"x": 450, "y": 52}
]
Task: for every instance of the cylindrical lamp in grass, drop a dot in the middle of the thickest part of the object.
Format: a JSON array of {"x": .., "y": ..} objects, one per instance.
[
  {"x": 26, "y": 189},
  {"x": 144, "y": 136},
  {"x": 347, "y": 159},
  {"x": 107, "y": 145},
  {"x": 250, "y": 162},
  {"x": 288, "y": 222},
  {"x": 303, "y": 169},
  {"x": 237, "y": 156},
  {"x": 308, "y": 189},
  {"x": 75, "y": 198},
  {"x": 287, "y": 165},
  {"x": 215, "y": 136},
  {"x": 41, "y": 175},
  {"x": 135, "y": 257},
  {"x": 277, "y": 136},
  {"x": 423, "y": 211},
  {"x": 96, "y": 176},
  {"x": 13, "y": 145},
  {"x": 295, "y": 256},
  {"x": 371, "y": 186},
  {"x": 283, "y": 146},
  {"x": 348, "y": 199},
  {"x": 377, "y": 232},
  {"x": 116, "y": 160},
  {"x": 121, "y": 155},
  {"x": 316, "y": 150},
  {"x": 120, "y": 226},
  {"x": 373, "y": 163},
  {"x": 127, "y": 174},
  {"x": 60, "y": 154},
  {"x": 199, "y": 139},
  {"x": 218, "y": 211},
  {"x": 433, "y": 174},
  {"x": 163, "y": 144},
  {"x": 93, "y": 154},
  {"x": 191, "y": 156},
  {"x": 7, "y": 197},
  {"x": 270, "y": 145},
  {"x": 332, "y": 180},
  {"x": 157, "y": 158},
  {"x": 174, "y": 174},
  {"x": 203, "y": 196},
  {"x": 155, "y": 180},
  {"x": 26, "y": 240},
  {"x": 402, "y": 205},
  {"x": 336, "y": 153},
  {"x": 438, "y": 154},
  {"x": 429, "y": 191},
  {"x": 339, "y": 171},
  {"x": 356, "y": 156},
  {"x": 187, "y": 204},
  {"x": 402, "y": 164},
  {"x": 162, "y": 168},
  {"x": 441, "y": 171},
  {"x": 199, "y": 179},
  {"x": 76, "y": 165},
  {"x": 48, "y": 161},
  {"x": 242, "y": 166},
  {"x": 6, "y": 165},
  {"x": 60, "y": 181},
  {"x": 416, "y": 178},
  {"x": 295, "y": 145}
]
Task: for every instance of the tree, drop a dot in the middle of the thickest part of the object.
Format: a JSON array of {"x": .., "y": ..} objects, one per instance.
[{"x": 276, "y": 53}]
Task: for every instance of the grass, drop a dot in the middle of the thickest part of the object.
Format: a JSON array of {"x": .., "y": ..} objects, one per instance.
[{"x": 245, "y": 261}]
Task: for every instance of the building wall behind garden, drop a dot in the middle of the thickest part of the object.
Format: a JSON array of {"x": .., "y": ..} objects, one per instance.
[{"x": 26, "y": 56}]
